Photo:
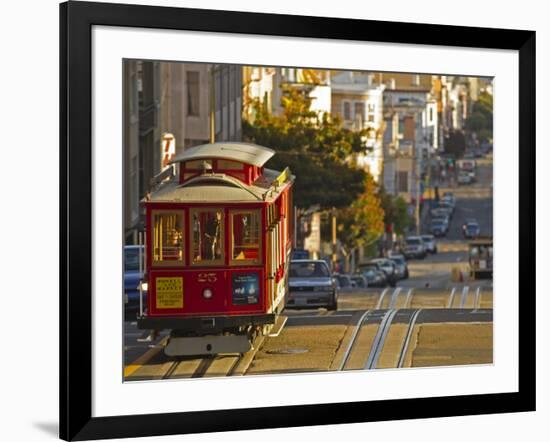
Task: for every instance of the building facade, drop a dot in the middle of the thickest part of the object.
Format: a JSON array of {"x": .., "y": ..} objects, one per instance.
[{"x": 358, "y": 101}]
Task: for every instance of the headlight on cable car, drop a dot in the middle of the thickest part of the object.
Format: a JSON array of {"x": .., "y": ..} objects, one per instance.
[
  {"x": 144, "y": 286},
  {"x": 207, "y": 293}
]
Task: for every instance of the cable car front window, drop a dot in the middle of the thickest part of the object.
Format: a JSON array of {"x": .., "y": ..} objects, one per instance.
[
  {"x": 167, "y": 238},
  {"x": 207, "y": 234},
  {"x": 245, "y": 233}
]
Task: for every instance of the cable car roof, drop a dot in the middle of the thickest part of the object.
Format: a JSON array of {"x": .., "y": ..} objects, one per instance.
[
  {"x": 244, "y": 152},
  {"x": 221, "y": 188}
]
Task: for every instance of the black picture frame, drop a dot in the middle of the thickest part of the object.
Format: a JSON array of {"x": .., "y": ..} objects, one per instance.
[{"x": 76, "y": 21}]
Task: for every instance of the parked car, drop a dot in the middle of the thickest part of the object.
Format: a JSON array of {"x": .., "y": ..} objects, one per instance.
[
  {"x": 464, "y": 177},
  {"x": 443, "y": 219},
  {"x": 478, "y": 153},
  {"x": 361, "y": 281},
  {"x": 133, "y": 277},
  {"x": 311, "y": 285},
  {"x": 472, "y": 230},
  {"x": 438, "y": 227},
  {"x": 449, "y": 201},
  {"x": 388, "y": 266},
  {"x": 450, "y": 197},
  {"x": 444, "y": 204},
  {"x": 345, "y": 283},
  {"x": 376, "y": 277},
  {"x": 429, "y": 243},
  {"x": 300, "y": 254},
  {"x": 401, "y": 265},
  {"x": 414, "y": 247},
  {"x": 442, "y": 211}
]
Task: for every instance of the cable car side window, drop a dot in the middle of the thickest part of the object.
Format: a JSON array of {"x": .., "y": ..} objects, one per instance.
[
  {"x": 167, "y": 238},
  {"x": 245, "y": 231},
  {"x": 207, "y": 236},
  {"x": 197, "y": 164},
  {"x": 230, "y": 165}
]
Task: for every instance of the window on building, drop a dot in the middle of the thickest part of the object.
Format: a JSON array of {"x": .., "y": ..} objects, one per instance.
[
  {"x": 403, "y": 181},
  {"x": 193, "y": 96},
  {"x": 347, "y": 110},
  {"x": 359, "y": 109},
  {"x": 245, "y": 237},
  {"x": 371, "y": 108},
  {"x": 370, "y": 118},
  {"x": 207, "y": 236},
  {"x": 431, "y": 117},
  {"x": 167, "y": 238}
]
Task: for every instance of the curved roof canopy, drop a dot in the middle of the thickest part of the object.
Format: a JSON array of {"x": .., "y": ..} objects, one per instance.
[
  {"x": 219, "y": 188},
  {"x": 244, "y": 152}
]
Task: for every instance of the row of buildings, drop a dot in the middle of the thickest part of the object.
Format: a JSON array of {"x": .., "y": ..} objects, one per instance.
[{"x": 173, "y": 106}]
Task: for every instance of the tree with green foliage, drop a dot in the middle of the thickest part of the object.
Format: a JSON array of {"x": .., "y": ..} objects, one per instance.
[
  {"x": 362, "y": 223},
  {"x": 480, "y": 120},
  {"x": 316, "y": 147},
  {"x": 396, "y": 212},
  {"x": 455, "y": 143}
]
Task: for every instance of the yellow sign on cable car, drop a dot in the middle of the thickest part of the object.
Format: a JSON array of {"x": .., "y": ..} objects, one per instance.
[{"x": 169, "y": 292}]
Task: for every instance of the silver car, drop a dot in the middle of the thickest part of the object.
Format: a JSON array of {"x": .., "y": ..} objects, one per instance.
[
  {"x": 311, "y": 285},
  {"x": 429, "y": 243},
  {"x": 401, "y": 265},
  {"x": 414, "y": 247}
]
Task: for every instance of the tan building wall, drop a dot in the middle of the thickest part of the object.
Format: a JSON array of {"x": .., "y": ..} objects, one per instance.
[
  {"x": 185, "y": 105},
  {"x": 175, "y": 107}
]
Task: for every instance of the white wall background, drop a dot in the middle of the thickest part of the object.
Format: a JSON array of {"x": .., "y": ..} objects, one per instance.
[{"x": 29, "y": 178}]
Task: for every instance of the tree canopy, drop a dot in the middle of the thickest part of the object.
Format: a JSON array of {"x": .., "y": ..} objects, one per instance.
[
  {"x": 396, "y": 212},
  {"x": 455, "y": 143},
  {"x": 363, "y": 222},
  {"x": 316, "y": 147},
  {"x": 480, "y": 120}
]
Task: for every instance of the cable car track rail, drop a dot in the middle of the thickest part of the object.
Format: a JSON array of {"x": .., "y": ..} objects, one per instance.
[
  {"x": 379, "y": 339},
  {"x": 358, "y": 327},
  {"x": 407, "y": 340},
  {"x": 464, "y": 297}
]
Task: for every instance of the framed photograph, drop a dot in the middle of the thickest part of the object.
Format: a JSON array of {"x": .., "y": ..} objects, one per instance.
[{"x": 274, "y": 220}]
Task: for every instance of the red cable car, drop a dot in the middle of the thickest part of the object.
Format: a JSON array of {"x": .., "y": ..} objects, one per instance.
[{"x": 218, "y": 241}]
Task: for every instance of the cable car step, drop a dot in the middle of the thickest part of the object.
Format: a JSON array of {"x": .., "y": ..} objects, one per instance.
[{"x": 207, "y": 345}]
